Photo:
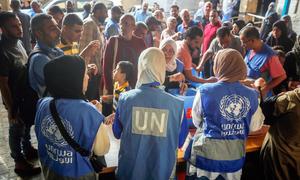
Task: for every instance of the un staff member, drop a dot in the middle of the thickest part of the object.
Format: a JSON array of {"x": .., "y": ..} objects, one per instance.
[{"x": 148, "y": 122}]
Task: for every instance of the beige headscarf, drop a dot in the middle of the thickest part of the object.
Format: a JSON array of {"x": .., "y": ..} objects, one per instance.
[
  {"x": 151, "y": 67},
  {"x": 229, "y": 66},
  {"x": 171, "y": 65}
]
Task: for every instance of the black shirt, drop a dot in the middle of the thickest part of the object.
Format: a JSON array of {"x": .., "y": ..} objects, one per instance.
[{"x": 12, "y": 59}]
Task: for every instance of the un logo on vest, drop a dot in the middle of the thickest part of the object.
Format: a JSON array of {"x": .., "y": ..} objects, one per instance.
[
  {"x": 234, "y": 107},
  {"x": 52, "y": 133}
]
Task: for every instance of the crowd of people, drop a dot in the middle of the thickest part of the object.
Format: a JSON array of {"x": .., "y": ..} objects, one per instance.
[{"x": 74, "y": 77}]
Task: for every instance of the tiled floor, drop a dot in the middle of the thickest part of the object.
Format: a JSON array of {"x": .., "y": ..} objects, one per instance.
[{"x": 6, "y": 162}]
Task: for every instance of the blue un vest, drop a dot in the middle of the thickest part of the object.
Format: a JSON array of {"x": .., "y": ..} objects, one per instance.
[
  {"x": 150, "y": 119},
  {"x": 257, "y": 62},
  {"x": 81, "y": 120},
  {"x": 220, "y": 144}
]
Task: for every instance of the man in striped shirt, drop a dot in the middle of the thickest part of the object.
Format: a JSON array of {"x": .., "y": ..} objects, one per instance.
[{"x": 70, "y": 35}]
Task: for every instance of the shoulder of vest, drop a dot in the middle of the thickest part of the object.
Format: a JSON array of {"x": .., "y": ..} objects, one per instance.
[{"x": 268, "y": 49}]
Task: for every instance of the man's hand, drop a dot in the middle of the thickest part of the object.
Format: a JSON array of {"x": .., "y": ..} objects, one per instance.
[
  {"x": 260, "y": 82},
  {"x": 91, "y": 49},
  {"x": 92, "y": 69},
  {"x": 109, "y": 119},
  {"x": 183, "y": 87},
  {"x": 97, "y": 104},
  {"x": 199, "y": 68},
  {"x": 107, "y": 98},
  {"x": 211, "y": 80},
  {"x": 93, "y": 46},
  {"x": 178, "y": 77},
  {"x": 247, "y": 82}
]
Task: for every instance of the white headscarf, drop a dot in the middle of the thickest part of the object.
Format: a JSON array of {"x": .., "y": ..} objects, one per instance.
[
  {"x": 151, "y": 67},
  {"x": 171, "y": 65}
]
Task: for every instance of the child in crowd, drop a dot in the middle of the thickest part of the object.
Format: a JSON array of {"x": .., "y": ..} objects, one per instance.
[{"x": 122, "y": 75}]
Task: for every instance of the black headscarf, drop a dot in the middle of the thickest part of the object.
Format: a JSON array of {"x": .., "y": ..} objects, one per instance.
[
  {"x": 283, "y": 40},
  {"x": 240, "y": 23},
  {"x": 64, "y": 77},
  {"x": 267, "y": 25},
  {"x": 280, "y": 24}
]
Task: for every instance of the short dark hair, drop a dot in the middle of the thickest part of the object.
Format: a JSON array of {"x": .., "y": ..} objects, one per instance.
[
  {"x": 37, "y": 22},
  {"x": 193, "y": 32},
  {"x": 223, "y": 31},
  {"x": 55, "y": 10},
  {"x": 87, "y": 7},
  {"x": 116, "y": 9},
  {"x": 5, "y": 17},
  {"x": 141, "y": 24},
  {"x": 175, "y": 6},
  {"x": 126, "y": 67},
  {"x": 68, "y": 2},
  {"x": 72, "y": 19},
  {"x": 250, "y": 32},
  {"x": 15, "y": 4},
  {"x": 152, "y": 20},
  {"x": 98, "y": 6}
]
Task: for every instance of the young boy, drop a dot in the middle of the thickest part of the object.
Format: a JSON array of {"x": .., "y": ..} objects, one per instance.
[{"x": 121, "y": 75}]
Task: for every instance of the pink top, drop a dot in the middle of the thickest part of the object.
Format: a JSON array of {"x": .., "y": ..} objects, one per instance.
[{"x": 210, "y": 31}]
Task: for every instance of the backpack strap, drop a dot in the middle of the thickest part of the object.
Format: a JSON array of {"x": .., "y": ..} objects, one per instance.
[
  {"x": 37, "y": 50},
  {"x": 58, "y": 121}
]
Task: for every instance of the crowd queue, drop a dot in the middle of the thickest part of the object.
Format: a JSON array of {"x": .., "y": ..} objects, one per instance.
[{"x": 74, "y": 78}]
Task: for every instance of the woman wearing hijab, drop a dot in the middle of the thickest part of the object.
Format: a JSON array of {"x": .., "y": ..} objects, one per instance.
[
  {"x": 292, "y": 66},
  {"x": 223, "y": 113},
  {"x": 279, "y": 36},
  {"x": 291, "y": 34},
  {"x": 271, "y": 9},
  {"x": 237, "y": 26},
  {"x": 148, "y": 122},
  {"x": 174, "y": 67},
  {"x": 66, "y": 80},
  {"x": 280, "y": 154},
  {"x": 267, "y": 24}
]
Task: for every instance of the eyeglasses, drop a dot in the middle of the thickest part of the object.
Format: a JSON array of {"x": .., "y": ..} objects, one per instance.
[{"x": 245, "y": 42}]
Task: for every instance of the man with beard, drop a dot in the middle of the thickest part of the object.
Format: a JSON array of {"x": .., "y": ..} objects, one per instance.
[
  {"x": 12, "y": 59},
  {"x": 25, "y": 20},
  {"x": 112, "y": 27},
  {"x": 174, "y": 12},
  {"x": 93, "y": 30},
  {"x": 47, "y": 34}
]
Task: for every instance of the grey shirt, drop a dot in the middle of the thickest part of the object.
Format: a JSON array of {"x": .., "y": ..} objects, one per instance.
[{"x": 235, "y": 44}]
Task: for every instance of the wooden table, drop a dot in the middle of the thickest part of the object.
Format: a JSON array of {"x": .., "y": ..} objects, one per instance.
[{"x": 254, "y": 143}]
